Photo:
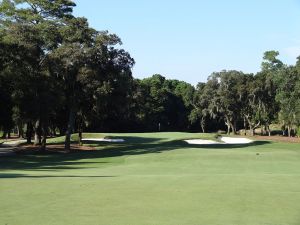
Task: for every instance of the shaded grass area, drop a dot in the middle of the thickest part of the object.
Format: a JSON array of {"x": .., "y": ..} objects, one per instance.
[
  {"x": 74, "y": 138},
  {"x": 154, "y": 178},
  {"x": 1, "y": 140}
]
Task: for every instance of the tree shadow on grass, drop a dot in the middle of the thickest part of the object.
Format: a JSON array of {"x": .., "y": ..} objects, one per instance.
[
  {"x": 136, "y": 148},
  {"x": 131, "y": 146},
  {"x": 221, "y": 145},
  {"x": 51, "y": 162},
  {"x": 16, "y": 175}
]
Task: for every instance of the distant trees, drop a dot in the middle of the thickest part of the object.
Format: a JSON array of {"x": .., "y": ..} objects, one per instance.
[
  {"x": 288, "y": 98},
  {"x": 203, "y": 106},
  {"x": 251, "y": 106},
  {"x": 249, "y": 102},
  {"x": 162, "y": 104}
]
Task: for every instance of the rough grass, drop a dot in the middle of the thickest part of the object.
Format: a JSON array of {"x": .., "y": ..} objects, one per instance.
[{"x": 154, "y": 179}]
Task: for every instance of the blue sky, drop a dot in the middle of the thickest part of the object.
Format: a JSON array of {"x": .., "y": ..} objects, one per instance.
[{"x": 190, "y": 39}]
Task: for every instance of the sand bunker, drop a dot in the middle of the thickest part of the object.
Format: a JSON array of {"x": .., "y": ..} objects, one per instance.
[
  {"x": 103, "y": 140},
  {"x": 223, "y": 140},
  {"x": 201, "y": 142},
  {"x": 230, "y": 140}
]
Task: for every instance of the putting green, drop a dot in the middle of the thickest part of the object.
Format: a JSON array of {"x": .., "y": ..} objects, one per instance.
[{"x": 154, "y": 179}]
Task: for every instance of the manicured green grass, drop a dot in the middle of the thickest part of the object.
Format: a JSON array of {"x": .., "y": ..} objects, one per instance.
[{"x": 154, "y": 179}]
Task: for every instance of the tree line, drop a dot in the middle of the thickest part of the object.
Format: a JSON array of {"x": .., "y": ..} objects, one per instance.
[{"x": 59, "y": 76}]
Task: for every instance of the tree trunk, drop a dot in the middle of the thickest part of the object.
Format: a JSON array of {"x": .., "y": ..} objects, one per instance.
[
  {"x": 23, "y": 134},
  {"x": 203, "y": 125},
  {"x": 262, "y": 130},
  {"x": 294, "y": 132},
  {"x": 21, "y": 131},
  {"x": 233, "y": 126},
  {"x": 289, "y": 130},
  {"x": 283, "y": 129},
  {"x": 37, "y": 133},
  {"x": 268, "y": 130},
  {"x": 29, "y": 132},
  {"x": 4, "y": 135},
  {"x": 61, "y": 131},
  {"x": 53, "y": 133},
  {"x": 80, "y": 132},
  {"x": 227, "y": 122},
  {"x": 18, "y": 132},
  {"x": 80, "y": 137},
  {"x": 251, "y": 129},
  {"x": 245, "y": 126},
  {"x": 228, "y": 128},
  {"x": 252, "y": 126},
  {"x": 44, "y": 138},
  {"x": 70, "y": 128}
]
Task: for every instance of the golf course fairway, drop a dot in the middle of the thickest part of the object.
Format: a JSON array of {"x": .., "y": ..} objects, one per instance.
[{"x": 154, "y": 179}]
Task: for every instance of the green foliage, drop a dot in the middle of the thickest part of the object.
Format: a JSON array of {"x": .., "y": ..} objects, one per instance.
[
  {"x": 162, "y": 104},
  {"x": 226, "y": 98},
  {"x": 271, "y": 63},
  {"x": 288, "y": 96}
]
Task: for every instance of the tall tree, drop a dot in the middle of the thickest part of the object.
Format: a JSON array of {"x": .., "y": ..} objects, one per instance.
[
  {"x": 88, "y": 55},
  {"x": 271, "y": 65},
  {"x": 34, "y": 25},
  {"x": 227, "y": 101},
  {"x": 288, "y": 97},
  {"x": 201, "y": 101},
  {"x": 251, "y": 95}
]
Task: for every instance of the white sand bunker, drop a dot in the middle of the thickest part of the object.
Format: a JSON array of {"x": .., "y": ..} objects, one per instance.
[
  {"x": 230, "y": 140},
  {"x": 103, "y": 140},
  {"x": 201, "y": 142},
  {"x": 223, "y": 140}
]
